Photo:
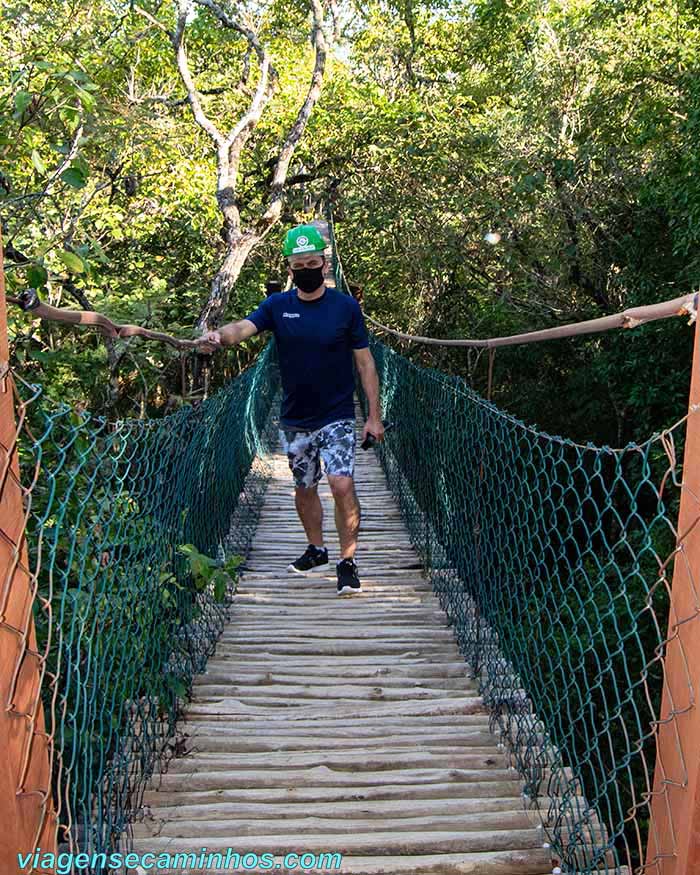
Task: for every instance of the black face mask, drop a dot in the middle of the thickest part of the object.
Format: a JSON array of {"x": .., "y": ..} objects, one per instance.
[{"x": 308, "y": 279}]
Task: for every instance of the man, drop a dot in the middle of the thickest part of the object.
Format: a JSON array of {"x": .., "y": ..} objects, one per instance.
[{"x": 318, "y": 332}]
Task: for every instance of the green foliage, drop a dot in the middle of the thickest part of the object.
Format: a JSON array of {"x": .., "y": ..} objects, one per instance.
[
  {"x": 567, "y": 128},
  {"x": 209, "y": 573}
]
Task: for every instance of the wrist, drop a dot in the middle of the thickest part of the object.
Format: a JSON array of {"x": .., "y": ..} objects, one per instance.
[{"x": 226, "y": 338}]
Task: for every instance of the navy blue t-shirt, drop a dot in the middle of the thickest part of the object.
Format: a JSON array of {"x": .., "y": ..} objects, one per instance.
[{"x": 315, "y": 340}]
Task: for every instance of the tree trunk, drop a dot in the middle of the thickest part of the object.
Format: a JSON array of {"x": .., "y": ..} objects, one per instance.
[
  {"x": 229, "y": 147},
  {"x": 225, "y": 279}
]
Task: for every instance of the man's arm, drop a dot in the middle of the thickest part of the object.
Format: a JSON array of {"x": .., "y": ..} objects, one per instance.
[
  {"x": 228, "y": 335},
  {"x": 370, "y": 383}
]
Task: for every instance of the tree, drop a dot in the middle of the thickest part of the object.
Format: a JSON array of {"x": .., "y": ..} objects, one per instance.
[{"x": 241, "y": 238}]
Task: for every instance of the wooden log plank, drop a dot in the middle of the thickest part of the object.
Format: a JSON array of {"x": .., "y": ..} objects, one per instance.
[
  {"x": 377, "y": 842},
  {"x": 340, "y": 693},
  {"x": 346, "y": 793},
  {"x": 321, "y": 776},
  {"x": 234, "y": 709},
  {"x": 524, "y": 862},
  {"x": 368, "y": 809},
  {"x": 213, "y": 827},
  {"x": 344, "y": 761}
]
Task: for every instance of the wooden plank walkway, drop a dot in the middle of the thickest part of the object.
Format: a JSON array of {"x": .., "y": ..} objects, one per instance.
[{"x": 342, "y": 725}]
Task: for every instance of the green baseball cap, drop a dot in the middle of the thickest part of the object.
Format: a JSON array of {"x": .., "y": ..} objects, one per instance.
[{"x": 303, "y": 238}]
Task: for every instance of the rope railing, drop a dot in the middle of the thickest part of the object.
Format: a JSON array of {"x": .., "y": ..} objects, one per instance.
[
  {"x": 30, "y": 302},
  {"x": 554, "y": 561},
  {"x": 686, "y": 305},
  {"x": 119, "y": 567},
  {"x": 633, "y": 317}
]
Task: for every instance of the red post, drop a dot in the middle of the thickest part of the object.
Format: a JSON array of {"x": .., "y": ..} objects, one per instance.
[
  {"x": 27, "y": 817},
  {"x": 674, "y": 833}
]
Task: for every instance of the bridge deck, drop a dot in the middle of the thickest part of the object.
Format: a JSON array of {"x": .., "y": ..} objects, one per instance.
[{"x": 342, "y": 725}]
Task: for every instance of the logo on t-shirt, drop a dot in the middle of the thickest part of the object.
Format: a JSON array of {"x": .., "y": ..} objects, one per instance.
[{"x": 291, "y": 315}]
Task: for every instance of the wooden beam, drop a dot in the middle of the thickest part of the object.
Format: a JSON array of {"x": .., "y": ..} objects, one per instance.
[
  {"x": 27, "y": 815},
  {"x": 674, "y": 833}
]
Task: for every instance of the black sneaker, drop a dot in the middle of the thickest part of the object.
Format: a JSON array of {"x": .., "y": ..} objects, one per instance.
[
  {"x": 348, "y": 581},
  {"x": 313, "y": 559}
]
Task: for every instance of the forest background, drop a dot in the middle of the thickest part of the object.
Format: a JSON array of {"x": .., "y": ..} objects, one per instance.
[{"x": 569, "y": 128}]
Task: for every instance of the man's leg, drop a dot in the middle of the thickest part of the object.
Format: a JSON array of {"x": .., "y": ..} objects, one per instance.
[
  {"x": 347, "y": 513},
  {"x": 310, "y": 512},
  {"x": 337, "y": 447},
  {"x": 305, "y": 464}
]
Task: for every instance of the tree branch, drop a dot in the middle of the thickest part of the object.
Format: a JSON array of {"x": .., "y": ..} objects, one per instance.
[
  {"x": 183, "y": 66},
  {"x": 236, "y": 139},
  {"x": 232, "y": 24},
  {"x": 274, "y": 209},
  {"x": 335, "y": 17},
  {"x": 173, "y": 102},
  {"x": 268, "y": 75},
  {"x": 153, "y": 21}
]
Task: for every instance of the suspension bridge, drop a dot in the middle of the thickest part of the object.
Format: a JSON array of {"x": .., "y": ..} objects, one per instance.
[{"x": 515, "y": 691}]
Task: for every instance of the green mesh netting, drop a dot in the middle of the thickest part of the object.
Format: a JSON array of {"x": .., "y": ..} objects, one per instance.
[
  {"x": 549, "y": 559},
  {"x": 123, "y": 622}
]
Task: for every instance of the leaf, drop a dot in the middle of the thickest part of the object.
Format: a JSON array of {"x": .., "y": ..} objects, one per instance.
[
  {"x": 38, "y": 163},
  {"x": 201, "y": 571},
  {"x": 37, "y": 276},
  {"x": 74, "y": 177},
  {"x": 77, "y": 76},
  {"x": 22, "y": 101},
  {"x": 221, "y": 581},
  {"x": 86, "y": 99},
  {"x": 178, "y": 687},
  {"x": 82, "y": 165},
  {"x": 97, "y": 252},
  {"x": 231, "y": 565},
  {"x": 72, "y": 262},
  {"x": 69, "y": 115}
]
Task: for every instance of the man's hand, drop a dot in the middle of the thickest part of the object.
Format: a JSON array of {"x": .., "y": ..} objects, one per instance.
[
  {"x": 209, "y": 342},
  {"x": 374, "y": 426}
]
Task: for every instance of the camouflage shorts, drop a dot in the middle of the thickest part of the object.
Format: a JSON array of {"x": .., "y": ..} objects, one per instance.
[{"x": 334, "y": 443}]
